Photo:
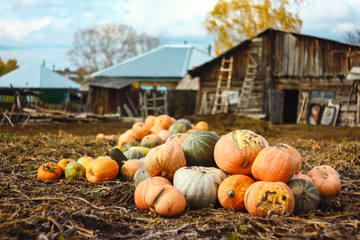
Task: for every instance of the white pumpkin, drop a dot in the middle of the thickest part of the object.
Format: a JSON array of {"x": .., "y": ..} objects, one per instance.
[{"x": 199, "y": 185}]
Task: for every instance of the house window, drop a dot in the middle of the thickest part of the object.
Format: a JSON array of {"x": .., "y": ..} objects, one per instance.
[{"x": 322, "y": 95}]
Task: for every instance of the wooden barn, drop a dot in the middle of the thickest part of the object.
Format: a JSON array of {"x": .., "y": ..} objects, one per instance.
[{"x": 284, "y": 77}]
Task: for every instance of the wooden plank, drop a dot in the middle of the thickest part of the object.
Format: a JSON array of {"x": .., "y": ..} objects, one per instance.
[{"x": 276, "y": 106}]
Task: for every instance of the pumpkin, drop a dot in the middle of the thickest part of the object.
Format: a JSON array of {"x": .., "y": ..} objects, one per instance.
[
  {"x": 150, "y": 141},
  {"x": 49, "y": 171},
  {"x": 306, "y": 194},
  {"x": 141, "y": 190},
  {"x": 164, "y": 160},
  {"x": 100, "y": 136},
  {"x": 85, "y": 160},
  {"x": 166, "y": 200},
  {"x": 140, "y": 175},
  {"x": 129, "y": 168},
  {"x": 143, "y": 150},
  {"x": 149, "y": 121},
  {"x": 232, "y": 190},
  {"x": 185, "y": 122},
  {"x": 74, "y": 170},
  {"x": 178, "y": 127},
  {"x": 133, "y": 154},
  {"x": 199, "y": 148},
  {"x": 163, "y": 134},
  {"x": 235, "y": 152},
  {"x": 199, "y": 185},
  {"x": 163, "y": 121},
  {"x": 191, "y": 130},
  {"x": 140, "y": 130},
  {"x": 178, "y": 138},
  {"x": 63, "y": 162},
  {"x": 155, "y": 129},
  {"x": 116, "y": 153},
  {"x": 102, "y": 169},
  {"x": 129, "y": 145},
  {"x": 304, "y": 176},
  {"x": 263, "y": 198},
  {"x": 202, "y": 125},
  {"x": 293, "y": 152},
  {"x": 273, "y": 165},
  {"x": 326, "y": 179},
  {"x": 126, "y": 137}
]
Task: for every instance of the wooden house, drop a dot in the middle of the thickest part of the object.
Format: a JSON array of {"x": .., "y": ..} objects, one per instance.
[
  {"x": 153, "y": 72},
  {"x": 285, "y": 77}
]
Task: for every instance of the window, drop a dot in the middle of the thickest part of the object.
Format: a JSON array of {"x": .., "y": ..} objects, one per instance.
[{"x": 322, "y": 95}]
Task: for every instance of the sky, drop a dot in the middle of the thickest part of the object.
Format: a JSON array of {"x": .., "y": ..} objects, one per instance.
[{"x": 33, "y": 31}]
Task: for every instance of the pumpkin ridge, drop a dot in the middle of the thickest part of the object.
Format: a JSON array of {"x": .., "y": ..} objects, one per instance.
[{"x": 158, "y": 197}]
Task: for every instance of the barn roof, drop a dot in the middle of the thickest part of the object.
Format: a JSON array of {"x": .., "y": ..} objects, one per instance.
[
  {"x": 169, "y": 61},
  {"x": 36, "y": 77},
  {"x": 354, "y": 74},
  {"x": 194, "y": 71}
]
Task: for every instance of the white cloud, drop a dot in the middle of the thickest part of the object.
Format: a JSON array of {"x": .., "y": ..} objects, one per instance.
[
  {"x": 18, "y": 30},
  {"x": 31, "y": 3}
]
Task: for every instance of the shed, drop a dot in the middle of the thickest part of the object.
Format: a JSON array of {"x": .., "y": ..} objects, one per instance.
[
  {"x": 31, "y": 79},
  {"x": 293, "y": 73}
]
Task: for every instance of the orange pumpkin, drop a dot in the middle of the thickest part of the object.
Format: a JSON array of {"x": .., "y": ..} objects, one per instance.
[
  {"x": 326, "y": 179},
  {"x": 232, "y": 190},
  {"x": 163, "y": 134},
  {"x": 191, "y": 130},
  {"x": 163, "y": 121},
  {"x": 202, "y": 125},
  {"x": 126, "y": 137},
  {"x": 49, "y": 171},
  {"x": 149, "y": 121},
  {"x": 139, "y": 130},
  {"x": 235, "y": 152},
  {"x": 164, "y": 160},
  {"x": 273, "y": 165},
  {"x": 63, "y": 162},
  {"x": 155, "y": 129},
  {"x": 177, "y": 138},
  {"x": 129, "y": 168},
  {"x": 102, "y": 169},
  {"x": 142, "y": 188},
  {"x": 304, "y": 176},
  {"x": 166, "y": 200},
  {"x": 293, "y": 152},
  {"x": 263, "y": 198}
]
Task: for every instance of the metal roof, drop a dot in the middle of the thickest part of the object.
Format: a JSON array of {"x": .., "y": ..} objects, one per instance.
[
  {"x": 109, "y": 82},
  {"x": 354, "y": 74},
  {"x": 36, "y": 77},
  {"x": 166, "y": 61}
]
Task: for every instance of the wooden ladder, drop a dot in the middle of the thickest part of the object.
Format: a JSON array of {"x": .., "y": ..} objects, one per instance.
[
  {"x": 248, "y": 85},
  {"x": 223, "y": 84}
]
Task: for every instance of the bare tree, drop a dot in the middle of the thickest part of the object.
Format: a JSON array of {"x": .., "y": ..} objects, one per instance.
[
  {"x": 353, "y": 36},
  {"x": 104, "y": 45}
]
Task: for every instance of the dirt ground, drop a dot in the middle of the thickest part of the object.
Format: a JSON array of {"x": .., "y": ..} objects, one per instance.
[{"x": 35, "y": 209}]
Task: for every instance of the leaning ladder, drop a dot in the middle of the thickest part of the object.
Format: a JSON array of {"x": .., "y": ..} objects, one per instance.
[
  {"x": 248, "y": 85},
  {"x": 223, "y": 85}
]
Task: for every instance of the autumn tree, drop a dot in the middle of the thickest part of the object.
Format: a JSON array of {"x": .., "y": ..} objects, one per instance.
[
  {"x": 233, "y": 21},
  {"x": 10, "y": 65},
  {"x": 353, "y": 36},
  {"x": 104, "y": 45}
]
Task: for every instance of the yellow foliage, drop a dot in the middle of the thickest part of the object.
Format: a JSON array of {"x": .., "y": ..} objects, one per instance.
[{"x": 232, "y": 21}]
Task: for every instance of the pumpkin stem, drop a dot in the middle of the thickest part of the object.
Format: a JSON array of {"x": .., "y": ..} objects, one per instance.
[
  {"x": 245, "y": 164},
  {"x": 324, "y": 175},
  {"x": 163, "y": 173},
  {"x": 231, "y": 193}
]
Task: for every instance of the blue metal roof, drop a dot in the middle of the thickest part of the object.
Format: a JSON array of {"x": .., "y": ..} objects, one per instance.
[
  {"x": 36, "y": 77},
  {"x": 166, "y": 61}
]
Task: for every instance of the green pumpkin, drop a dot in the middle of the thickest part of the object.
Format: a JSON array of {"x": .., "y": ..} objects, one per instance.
[
  {"x": 133, "y": 154},
  {"x": 128, "y": 145},
  {"x": 117, "y": 155},
  {"x": 177, "y": 128},
  {"x": 140, "y": 175},
  {"x": 306, "y": 194},
  {"x": 185, "y": 122},
  {"x": 199, "y": 147}
]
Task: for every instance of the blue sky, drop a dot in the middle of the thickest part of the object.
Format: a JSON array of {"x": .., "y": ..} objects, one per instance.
[{"x": 35, "y": 30}]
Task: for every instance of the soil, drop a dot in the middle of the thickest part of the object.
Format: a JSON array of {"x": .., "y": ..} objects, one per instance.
[{"x": 31, "y": 208}]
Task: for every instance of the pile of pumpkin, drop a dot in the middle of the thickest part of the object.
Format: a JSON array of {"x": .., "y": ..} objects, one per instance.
[{"x": 175, "y": 164}]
